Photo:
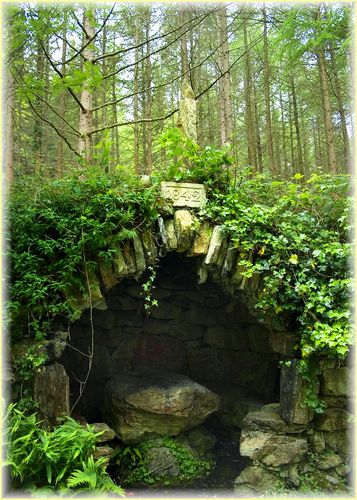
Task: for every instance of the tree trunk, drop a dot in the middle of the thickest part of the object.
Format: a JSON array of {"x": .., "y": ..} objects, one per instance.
[
  {"x": 136, "y": 102},
  {"x": 226, "y": 120},
  {"x": 250, "y": 126},
  {"x": 341, "y": 110},
  {"x": 85, "y": 143},
  {"x": 299, "y": 163},
  {"x": 61, "y": 103},
  {"x": 283, "y": 136},
  {"x": 326, "y": 104},
  {"x": 271, "y": 157},
  {"x": 9, "y": 129},
  {"x": 291, "y": 135},
  {"x": 147, "y": 127}
]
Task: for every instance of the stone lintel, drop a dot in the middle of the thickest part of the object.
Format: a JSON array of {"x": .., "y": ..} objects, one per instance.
[{"x": 184, "y": 194}]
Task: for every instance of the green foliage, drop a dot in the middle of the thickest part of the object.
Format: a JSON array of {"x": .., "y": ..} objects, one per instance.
[
  {"x": 58, "y": 230},
  {"x": 190, "y": 163},
  {"x": 134, "y": 468},
  {"x": 40, "y": 458},
  {"x": 29, "y": 363},
  {"x": 298, "y": 236}
]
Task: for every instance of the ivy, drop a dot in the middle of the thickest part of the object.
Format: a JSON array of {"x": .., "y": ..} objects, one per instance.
[{"x": 297, "y": 235}]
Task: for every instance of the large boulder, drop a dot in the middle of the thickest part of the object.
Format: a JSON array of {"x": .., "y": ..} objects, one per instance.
[{"x": 141, "y": 405}]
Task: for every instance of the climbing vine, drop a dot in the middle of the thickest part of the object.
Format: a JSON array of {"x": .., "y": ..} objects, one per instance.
[{"x": 297, "y": 236}]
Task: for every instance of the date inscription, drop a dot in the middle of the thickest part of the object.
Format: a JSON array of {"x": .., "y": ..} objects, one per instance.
[{"x": 184, "y": 194}]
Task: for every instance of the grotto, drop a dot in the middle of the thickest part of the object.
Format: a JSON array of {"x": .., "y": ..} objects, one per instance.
[{"x": 180, "y": 352}]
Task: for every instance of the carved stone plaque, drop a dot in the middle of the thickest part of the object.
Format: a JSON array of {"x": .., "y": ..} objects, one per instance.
[{"x": 184, "y": 194}]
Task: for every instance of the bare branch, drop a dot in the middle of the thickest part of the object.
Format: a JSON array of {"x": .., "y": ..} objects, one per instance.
[
  {"x": 155, "y": 51},
  {"x": 153, "y": 88},
  {"x": 79, "y": 52},
  {"x": 54, "y": 127},
  {"x": 133, "y": 122},
  {"x": 61, "y": 76},
  {"x": 133, "y": 47}
]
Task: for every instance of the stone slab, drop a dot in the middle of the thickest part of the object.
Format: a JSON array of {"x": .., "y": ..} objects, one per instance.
[{"x": 184, "y": 194}]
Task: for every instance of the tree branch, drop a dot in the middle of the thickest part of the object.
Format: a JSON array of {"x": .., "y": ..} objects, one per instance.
[
  {"x": 133, "y": 47},
  {"x": 133, "y": 122},
  {"x": 79, "y": 52},
  {"x": 155, "y": 51},
  {"x": 54, "y": 127},
  {"x": 153, "y": 88},
  {"x": 61, "y": 76}
]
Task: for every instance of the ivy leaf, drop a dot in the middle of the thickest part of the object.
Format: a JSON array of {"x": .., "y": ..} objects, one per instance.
[{"x": 294, "y": 259}]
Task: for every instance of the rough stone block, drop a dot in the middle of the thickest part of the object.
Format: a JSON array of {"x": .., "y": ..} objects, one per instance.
[
  {"x": 170, "y": 235},
  {"x": 139, "y": 255},
  {"x": 149, "y": 247},
  {"x": 272, "y": 449},
  {"x": 201, "y": 241},
  {"x": 283, "y": 343},
  {"x": 107, "y": 434},
  {"x": 292, "y": 394},
  {"x": 184, "y": 194},
  {"x": 217, "y": 336},
  {"x": 51, "y": 391},
  {"x": 166, "y": 310},
  {"x": 155, "y": 326},
  {"x": 267, "y": 418},
  {"x": 159, "y": 353},
  {"x": 129, "y": 258},
  {"x": 120, "y": 267},
  {"x": 184, "y": 228},
  {"x": 259, "y": 339},
  {"x": 253, "y": 371},
  {"x": 317, "y": 441},
  {"x": 107, "y": 274},
  {"x": 333, "y": 420},
  {"x": 335, "y": 382},
  {"x": 185, "y": 331},
  {"x": 214, "y": 246},
  {"x": 205, "y": 365},
  {"x": 199, "y": 316},
  {"x": 339, "y": 442},
  {"x": 256, "y": 479}
]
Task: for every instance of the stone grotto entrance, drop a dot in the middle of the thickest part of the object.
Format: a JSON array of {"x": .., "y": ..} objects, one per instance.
[{"x": 196, "y": 330}]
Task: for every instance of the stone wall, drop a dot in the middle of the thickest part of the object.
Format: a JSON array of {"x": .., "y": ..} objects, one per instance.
[{"x": 196, "y": 330}]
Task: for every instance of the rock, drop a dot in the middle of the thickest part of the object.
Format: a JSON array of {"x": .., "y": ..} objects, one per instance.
[
  {"x": 214, "y": 246},
  {"x": 104, "y": 319},
  {"x": 205, "y": 365},
  {"x": 185, "y": 331},
  {"x": 283, "y": 343},
  {"x": 268, "y": 418},
  {"x": 139, "y": 255},
  {"x": 333, "y": 419},
  {"x": 166, "y": 310},
  {"x": 170, "y": 235},
  {"x": 343, "y": 469},
  {"x": 155, "y": 326},
  {"x": 119, "y": 265},
  {"x": 129, "y": 258},
  {"x": 184, "y": 228},
  {"x": 149, "y": 247},
  {"x": 255, "y": 372},
  {"x": 199, "y": 316},
  {"x": 259, "y": 339},
  {"x": 335, "y": 401},
  {"x": 161, "y": 462},
  {"x": 292, "y": 394},
  {"x": 139, "y": 406},
  {"x": 155, "y": 352},
  {"x": 256, "y": 479},
  {"x": 241, "y": 408},
  {"x": 135, "y": 291},
  {"x": 202, "y": 274},
  {"x": 51, "y": 391},
  {"x": 107, "y": 433},
  {"x": 201, "y": 439},
  {"x": 201, "y": 241},
  {"x": 229, "y": 261},
  {"x": 338, "y": 441},
  {"x": 84, "y": 300},
  {"x": 122, "y": 302},
  {"x": 217, "y": 336},
  {"x": 293, "y": 479},
  {"x": 272, "y": 449},
  {"x": 102, "y": 451},
  {"x": 317, "y": 441},
  {"x": 335, "y": 382},
  {"x": 327, "y": 461},
  {"x": 107, "y": 274}
]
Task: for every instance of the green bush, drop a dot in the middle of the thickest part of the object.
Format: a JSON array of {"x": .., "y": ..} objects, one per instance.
[
  {"x": 60, "y": 459},
  {"x": 59, "y": 228}
]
